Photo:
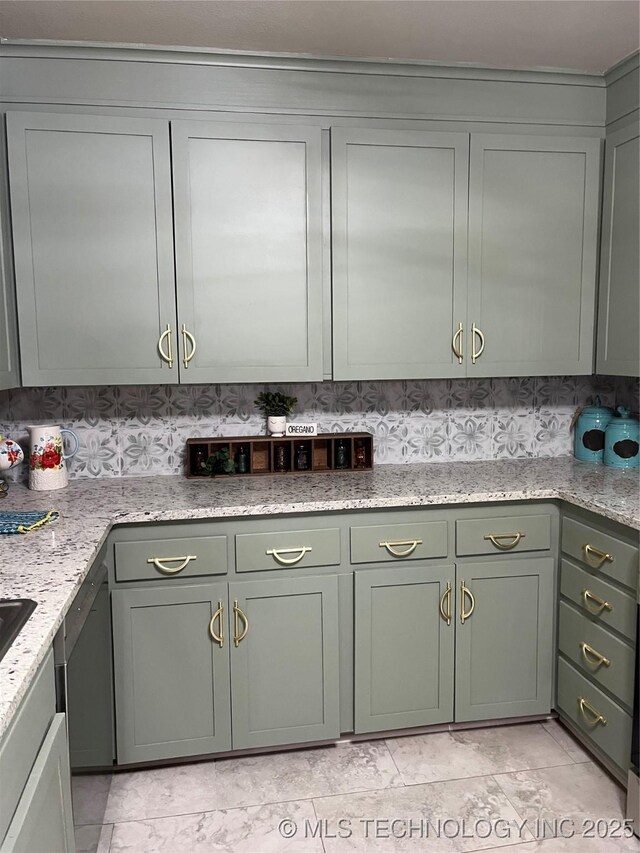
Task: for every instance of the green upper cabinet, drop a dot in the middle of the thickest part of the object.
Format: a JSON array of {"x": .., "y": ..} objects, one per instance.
[
  {"x": 533, "y": 230},
  {"x": 399, "y": 204},
  {"x": 284, "y": 661},
  {"x": 404, "y": 647},
  {"x": 93, "y": 243},
  {"x": 9, "y": 370},
  {"x": 504, "y": 638},
  {"x": 619, "y": 308},
  {"x": 248, "y": 226}
]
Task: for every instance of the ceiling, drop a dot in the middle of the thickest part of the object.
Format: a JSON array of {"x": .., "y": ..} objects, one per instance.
[{"x": 582, "y": 35}]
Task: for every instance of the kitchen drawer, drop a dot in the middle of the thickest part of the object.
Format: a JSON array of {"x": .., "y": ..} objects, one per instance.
[
  {"x": 601, "y": 552},
  {"x": 576, "y": 584},
  {"x": 616, "y": 671},
  {"x": 381, "y": 543},
  {"x": 511, "y": 533},
  {"x": 299, "y": 549},
  {"x": 613, "y": 733},
  {"x": 153, "y": 559}
]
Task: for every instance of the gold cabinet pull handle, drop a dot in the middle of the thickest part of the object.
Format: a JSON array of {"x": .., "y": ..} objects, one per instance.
[
  {"x": 601, "y": 557},
  {"x": 289, "y": 561},
  {"x": 595, "y": 717},
  {"x": 409, "y": 546},
  {"x": 601, "y": 604},
  {"x": 464, "y": 590},
  {"x": 168, "y": 355},
  {"x": 219, "y": 614},
  {"x": 187, "y": 338},
  {"x": 158, "y": 562},
  {"x": 591, "y": 655},
  {"x": 476, "y": 353},
  {"x": 237, "y": 616},
  {"x": 497, "y": 539},
  {"x": 446, "y": 597},
  {"x": 456, "y": 343}
]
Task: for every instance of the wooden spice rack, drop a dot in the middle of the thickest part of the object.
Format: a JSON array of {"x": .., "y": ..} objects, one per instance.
[{"x": 272, "y": 455}]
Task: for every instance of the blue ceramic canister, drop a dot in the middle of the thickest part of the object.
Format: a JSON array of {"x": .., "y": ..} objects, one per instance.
[
  {"x": 621, "y": 441},
  {"x": 590, "y": 427}
]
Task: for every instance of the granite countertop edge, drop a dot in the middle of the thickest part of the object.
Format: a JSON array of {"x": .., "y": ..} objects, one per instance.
[{"x": 50, "y": 564}]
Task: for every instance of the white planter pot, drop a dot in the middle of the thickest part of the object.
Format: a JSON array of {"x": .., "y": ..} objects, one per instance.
[{"x": 276, "y": 425}]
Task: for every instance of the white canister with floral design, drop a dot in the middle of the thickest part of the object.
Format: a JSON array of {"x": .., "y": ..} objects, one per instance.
[{"x": 47, "y": 468}]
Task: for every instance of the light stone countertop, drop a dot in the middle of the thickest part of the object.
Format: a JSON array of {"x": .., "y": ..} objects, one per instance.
[{"x": 49, "y": 564}]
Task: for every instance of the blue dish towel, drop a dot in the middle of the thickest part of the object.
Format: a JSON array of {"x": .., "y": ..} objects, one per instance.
[{"x": 23, "y": 522}]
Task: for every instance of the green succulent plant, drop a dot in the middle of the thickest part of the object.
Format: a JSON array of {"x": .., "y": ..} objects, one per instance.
[
  {"x": 220, "y": 462},
  {"x": 274, "y": 404}
]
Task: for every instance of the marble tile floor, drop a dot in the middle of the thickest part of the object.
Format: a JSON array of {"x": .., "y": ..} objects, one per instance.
[{"x": 526, "y": 788}]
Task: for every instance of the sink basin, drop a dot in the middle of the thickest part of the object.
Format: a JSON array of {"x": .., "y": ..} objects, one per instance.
[{"x": 14, "y": 612}]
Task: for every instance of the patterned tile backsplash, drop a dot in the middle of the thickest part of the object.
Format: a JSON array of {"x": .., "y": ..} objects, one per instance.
[{"x": 142, "y": 430}]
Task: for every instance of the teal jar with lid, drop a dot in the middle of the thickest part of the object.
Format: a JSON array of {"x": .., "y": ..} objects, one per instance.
[
  {"x": 622, "y": 441},
  {"x": 589, "y": 435}
]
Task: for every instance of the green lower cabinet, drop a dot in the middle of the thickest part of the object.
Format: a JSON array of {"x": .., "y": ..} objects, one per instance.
[
  {"x": 171, "y": 676},
  {"x": 90, "y": 689},
  {"x": 404, "y": 647},
  {"x": 504, "y": 638},
  {"x": 284, "y": 661},
  {"x": 43, "y": 820}
]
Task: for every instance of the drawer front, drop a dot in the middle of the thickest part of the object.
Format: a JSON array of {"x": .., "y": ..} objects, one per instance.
[
  {"x": 610, "y": 606},
  {"x": 503, "y": 534},
  {"x": 584, "y": 704},
  {"x": 382, "y": 543},
  {"x": 596, "y": 652},
  {"x": 160, "y": 559},
  {"x": 295, "y": 549},
  {"x": 602, "y": 553}
]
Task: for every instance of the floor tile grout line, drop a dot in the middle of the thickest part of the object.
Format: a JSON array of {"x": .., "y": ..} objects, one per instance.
[
  {"x": 509, "y": 800},
  {"x": 404, "y": 784},
  {"x": 314, "y": 797},
  {"x": 313, "y": 805},
  {"x": 557, "y": 742}
]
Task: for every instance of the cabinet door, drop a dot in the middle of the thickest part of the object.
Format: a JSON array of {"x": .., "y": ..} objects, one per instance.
[
  {"x": 171, "y": 677},
  {"x": 90, "y": 689},
  {"x": 284, "y": 670},
  {"x": 248, "y": 220},
  {"x": 43, "y": 820},
  {"x": 619, "y": 308},
  {"x": 93, "y": 241},
  {"x": 533, "y": 231},
  {"x": 9, "y": 372},
  {"x": 504, "y": 645},
  {"x": 399, "y": 204},
  {"x": 403, "y": 647}
]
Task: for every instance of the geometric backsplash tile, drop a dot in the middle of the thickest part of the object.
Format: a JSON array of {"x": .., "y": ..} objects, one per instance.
[{"x": 142, "y": 430}]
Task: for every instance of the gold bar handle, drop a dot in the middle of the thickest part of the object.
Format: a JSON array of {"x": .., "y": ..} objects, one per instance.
[
  {"x": 286, "y": 561},
  {"x": 496, "y": 539},
  {"x": 237, "y": 616},
  {"x": 446, "y": 597},
  {"x": 411, "y": 545},
  {"x": 219, "y": 614},
  {"x": 601, "y": 556},
  {"x": 476, "y": 353},
  {"x": 591, "y": 655},
  {"x": 187, "y": 338},
  {"x": 166, "y": 356},
  {"x": 595, "y": 717},
  {"x": 464, "y": 590},
  {"x": 158, "y": 562},
  {"x": 456, "y": 343},
  {"x": 601, "y": 604}
]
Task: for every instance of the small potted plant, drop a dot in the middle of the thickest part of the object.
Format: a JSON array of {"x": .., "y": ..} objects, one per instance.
[{"x": 275, "y": 406}]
